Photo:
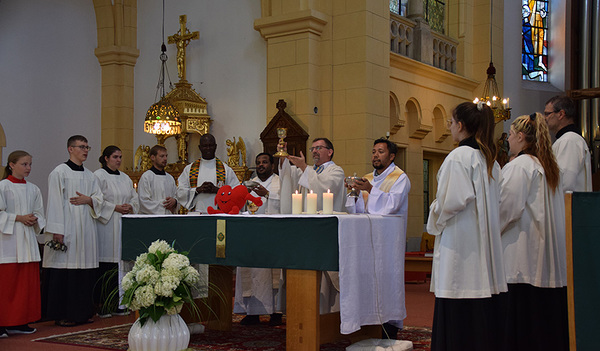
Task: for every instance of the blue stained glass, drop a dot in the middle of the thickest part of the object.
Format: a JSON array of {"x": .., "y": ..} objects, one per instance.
[{"x": 534, "y": 54}]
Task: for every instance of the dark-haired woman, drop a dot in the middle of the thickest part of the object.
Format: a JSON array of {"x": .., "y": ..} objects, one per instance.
[
  {"x": 468, "y": 270},
  {"x": 21, "y": 218},
  {"x": 119, "y": 198},
  {"x": 532, "y": 217}
]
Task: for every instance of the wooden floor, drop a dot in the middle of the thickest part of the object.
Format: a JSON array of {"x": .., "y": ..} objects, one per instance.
[{"x": 419, "y": 306}]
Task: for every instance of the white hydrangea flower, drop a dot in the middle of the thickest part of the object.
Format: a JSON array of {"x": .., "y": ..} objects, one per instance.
[
  {"x": 128, "y": 280},
  {"x": 141, "y": 260},
  {"x": 147, "y": 274},
  {"x": 160, "y": 245},
  {"x": 174, "y": 309},
  {"x": 144, "y": 296},
  {"x": 191, "y": 275},
  {"x": 176, "y": 260}
]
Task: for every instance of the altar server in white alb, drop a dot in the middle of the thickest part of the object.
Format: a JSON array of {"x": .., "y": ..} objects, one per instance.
[
  {"x": 532, "y": 216},
  {"x": 119, "y": 198},
  {"x": 199, "y": 181},
  {"x": 156, "y": 188},
  {"x": 384, "y": 192},
  {"x": 70, "y": 266},
  {"x": 570, "y": 149},
  {"x": 322, "y": 176},
  {"x": 258, "y": 290},
  {"x": 21, "y": 218},
  {"x": 468, "y": 270}
]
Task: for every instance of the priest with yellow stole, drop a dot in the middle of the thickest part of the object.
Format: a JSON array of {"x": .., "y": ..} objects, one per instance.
[
  {"x": 384, "y": 192},
  {"x": 200, "y": 181}
]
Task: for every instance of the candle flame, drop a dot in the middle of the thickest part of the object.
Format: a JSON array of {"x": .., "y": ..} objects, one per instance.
[
  {"x": 296, "y": 191},
  {"x": 328, "y": 190},
  {"x": 311, "y": 191}
]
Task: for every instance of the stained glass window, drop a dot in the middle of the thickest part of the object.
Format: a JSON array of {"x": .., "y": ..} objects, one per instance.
[
  {"x": 534, "y": 57},
  {"x": 398, "y": 7}
]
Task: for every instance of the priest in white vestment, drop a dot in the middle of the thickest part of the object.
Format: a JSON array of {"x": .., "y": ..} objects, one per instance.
[
  {"x": 199, "y": 181},
  {"x": 70, "y": 268},
  {"x": 570, "y": 149},
  {"x": 156, "y": 188},
  {"x": 258, "y": 291},
  {"x": 384, "y": 192},
  {"x": 324, "y": 175}
]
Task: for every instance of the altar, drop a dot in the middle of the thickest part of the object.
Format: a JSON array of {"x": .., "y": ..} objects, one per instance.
[{"x": 367, "y": 250}]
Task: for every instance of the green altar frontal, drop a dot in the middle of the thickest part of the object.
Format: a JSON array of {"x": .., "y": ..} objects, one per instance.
[{"x": 301, "y": 242}]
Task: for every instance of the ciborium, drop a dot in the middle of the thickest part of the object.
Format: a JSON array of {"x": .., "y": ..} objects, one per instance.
[
  {"x": 251, "y": 206},
  {"x": 281, "y": 133},
  {"x": 350, "y": 181}
]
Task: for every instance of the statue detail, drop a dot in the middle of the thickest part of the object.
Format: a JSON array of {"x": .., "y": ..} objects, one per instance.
[
  {"x": 142, "y": 160},
  {"x": 181, "y": 39},
  {"x": 233, "y": 153}
]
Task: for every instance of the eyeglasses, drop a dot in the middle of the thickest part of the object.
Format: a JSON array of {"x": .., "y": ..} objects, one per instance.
[
  {"x": 318, "y": 147},
  {"x": 84, "y": 147},
  {"x": 546, "y": 113}
]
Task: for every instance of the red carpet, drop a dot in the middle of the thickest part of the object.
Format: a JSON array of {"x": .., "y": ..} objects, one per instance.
[{"x": 257, "y": 338}]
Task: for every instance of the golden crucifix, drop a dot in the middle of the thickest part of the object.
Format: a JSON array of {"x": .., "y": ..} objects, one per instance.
[{"x": 181, "y": 39}]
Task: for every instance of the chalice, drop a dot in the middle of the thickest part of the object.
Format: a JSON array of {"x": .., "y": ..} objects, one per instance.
[
  {"x": 251, "y": 206},
  {"x": 281, "y": 133},
  {"x": 350, "y": 181}
]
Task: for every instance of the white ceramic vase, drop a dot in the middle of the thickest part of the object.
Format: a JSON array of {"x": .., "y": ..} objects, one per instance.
[{"x": 170, "y": 333}]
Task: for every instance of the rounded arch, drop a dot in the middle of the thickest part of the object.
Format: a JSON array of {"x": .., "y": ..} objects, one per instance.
[
  {"x": 414, "y": 117},
  {"x": 440, "y": 125},
  {"x": 396, "y": 121}
]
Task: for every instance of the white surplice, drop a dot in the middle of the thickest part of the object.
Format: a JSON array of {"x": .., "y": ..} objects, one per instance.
[
  {"x": 207, "y": 172},
  {"x": 467, "y": 258},
  {"x": 153, "y": 190},
  {"x": 76, "y": 222},
  {"x": 532, "y": 219},
  {"x": 393, "y": 202},
  {"x": 573, "y": 158},
  {"x": 257, "y": 290},
  {"x": 18, "y": 243},
  {"x": 117, "y": 189},
  {"x": 293, "y": 178}
]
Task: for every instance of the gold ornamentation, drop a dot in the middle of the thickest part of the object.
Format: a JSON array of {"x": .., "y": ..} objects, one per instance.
[
  {"x": 281, "y": 133},
  {"x": 142, "y": 160},
  {"x": 233, "y": 153},
  {"x": 221, "y": 238}
]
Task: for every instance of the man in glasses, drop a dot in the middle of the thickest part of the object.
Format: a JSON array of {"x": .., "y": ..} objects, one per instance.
[
  {"x": 70, "y": 266},
  {"x": 322, "y": 176},
  {"x": 571, "y": 150}
]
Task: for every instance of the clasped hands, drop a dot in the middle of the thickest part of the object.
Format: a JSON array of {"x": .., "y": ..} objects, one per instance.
[
  {"x": 28, "y": 219},
  {"x": 207, "y": 188}
]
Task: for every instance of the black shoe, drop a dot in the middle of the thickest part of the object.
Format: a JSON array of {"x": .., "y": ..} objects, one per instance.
[
  {"x": 276, "y": 319},
  {"x": 251, "y": 319},
  {"x": 20, "y": 329},
  {"x": 3, "y": 333},
  {"x": 389, "y": 331},
  {"x": 121, "y": 312}
]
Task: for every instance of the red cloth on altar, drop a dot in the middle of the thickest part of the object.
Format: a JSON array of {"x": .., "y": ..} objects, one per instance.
[{"x": 20, "y": 301}]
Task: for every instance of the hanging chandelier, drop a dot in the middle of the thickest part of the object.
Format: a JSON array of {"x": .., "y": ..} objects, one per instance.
[
  {"x": 491, "y": 95},
  {"x": 162, "y": 118}
]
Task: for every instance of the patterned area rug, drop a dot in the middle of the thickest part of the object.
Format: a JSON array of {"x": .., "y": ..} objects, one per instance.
[{"x": 257, "y": 338}]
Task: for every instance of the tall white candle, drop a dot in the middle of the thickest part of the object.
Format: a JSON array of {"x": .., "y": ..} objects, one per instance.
[
  {"x": 296, "y": 203},
  {"x": 328, "y": 202},
  {"x": 311, "y": 203}
]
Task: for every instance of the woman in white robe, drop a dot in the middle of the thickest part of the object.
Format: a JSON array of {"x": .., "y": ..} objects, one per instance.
[
  {"x": 119, "y": 198},
  {"x": 21, "y": 218},
  {"x": 532, "y": 217},
  {"x": 468, "y": 272}
]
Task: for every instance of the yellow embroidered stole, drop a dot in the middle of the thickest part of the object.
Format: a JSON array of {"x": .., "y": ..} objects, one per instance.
[
  {"x": 387, "y": 183},
  {"x": 195, "y": 170}
]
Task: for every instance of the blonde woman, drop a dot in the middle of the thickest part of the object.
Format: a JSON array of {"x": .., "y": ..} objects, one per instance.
[
  {"x": 532, "y": 216},
  {"x": 21, "y": 218},
  {"x": 468, "y": 272}
]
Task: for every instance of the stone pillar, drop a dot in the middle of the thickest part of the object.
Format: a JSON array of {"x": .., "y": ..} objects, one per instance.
[{"x": 117, "y": 54}]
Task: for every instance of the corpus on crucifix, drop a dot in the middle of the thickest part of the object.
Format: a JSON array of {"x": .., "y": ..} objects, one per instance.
[{"x": 181, "y": 39}]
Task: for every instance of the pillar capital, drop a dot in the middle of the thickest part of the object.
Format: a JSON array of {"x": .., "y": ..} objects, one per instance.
[{"x": 304, "y": 21}]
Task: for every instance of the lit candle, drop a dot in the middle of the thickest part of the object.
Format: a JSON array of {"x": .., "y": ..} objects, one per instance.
[
  {"x": 328, "y": 202},
  {"x": 507, "y": 102},
  {"x": 296, "y": 203},
  {"x": 311, "y": 203},
  {"x": 135, "y": 186}
]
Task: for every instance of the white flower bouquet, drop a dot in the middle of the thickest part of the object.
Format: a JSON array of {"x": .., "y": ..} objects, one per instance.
[{"x": 160, "y": 282}]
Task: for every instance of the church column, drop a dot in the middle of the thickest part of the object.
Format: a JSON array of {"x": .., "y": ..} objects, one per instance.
[
  {"x": 334, "y": 56},
  {"x": 116, "y": 22}
]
